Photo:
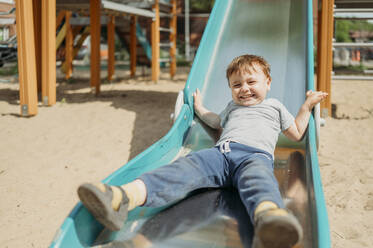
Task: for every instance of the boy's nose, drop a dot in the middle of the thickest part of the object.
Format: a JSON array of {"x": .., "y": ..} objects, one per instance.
[{"x": 246, "y": 87}]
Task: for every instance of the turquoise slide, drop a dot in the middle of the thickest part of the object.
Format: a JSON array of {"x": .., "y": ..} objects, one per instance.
[{"x": 281, "y": 32}]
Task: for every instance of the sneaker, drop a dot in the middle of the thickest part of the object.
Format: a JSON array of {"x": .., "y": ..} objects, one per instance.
[{"x": 277, "y": 228}]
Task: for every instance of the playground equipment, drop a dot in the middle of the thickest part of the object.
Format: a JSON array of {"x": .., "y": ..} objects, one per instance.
[
  {"x": 328, "y": 11},
  {"x": 281, "y": 31},
  {"x": 37, "y": 42},
  {"x": 353, "y": 11},
  {"x": 123, "y": 18}
]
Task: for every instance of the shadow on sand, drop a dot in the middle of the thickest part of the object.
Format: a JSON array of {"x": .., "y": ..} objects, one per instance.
[{"x": 149, "y": 106}]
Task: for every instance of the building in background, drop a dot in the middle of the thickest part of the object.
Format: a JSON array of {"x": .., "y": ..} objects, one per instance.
[{"x": 7, "y": 20}]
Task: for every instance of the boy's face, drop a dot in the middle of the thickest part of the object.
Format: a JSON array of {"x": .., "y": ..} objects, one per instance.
[{"x": 249, "y": 87}]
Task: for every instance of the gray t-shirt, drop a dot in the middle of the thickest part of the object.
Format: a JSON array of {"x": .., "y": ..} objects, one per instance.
[{"x": 256, "y": 126}]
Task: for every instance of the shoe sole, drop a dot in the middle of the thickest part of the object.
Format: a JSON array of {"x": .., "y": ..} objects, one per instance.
[
  {"x": 99, "y": 206},
  {"x": 279, "y": 232}
]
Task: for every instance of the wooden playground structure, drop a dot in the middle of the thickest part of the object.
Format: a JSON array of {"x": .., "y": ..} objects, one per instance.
[
  {"x": 37, "y": 23},
  {"x": 325, "y": 32}
]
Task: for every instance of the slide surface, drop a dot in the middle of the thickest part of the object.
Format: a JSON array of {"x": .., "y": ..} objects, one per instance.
[{"x": 281, "y": 32}]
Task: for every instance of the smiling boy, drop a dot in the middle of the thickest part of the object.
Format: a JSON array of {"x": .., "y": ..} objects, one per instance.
[{"x": 242, "y": 158}]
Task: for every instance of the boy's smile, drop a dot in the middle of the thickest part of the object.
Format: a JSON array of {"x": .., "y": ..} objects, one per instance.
[{"x": 249, "y": 87}]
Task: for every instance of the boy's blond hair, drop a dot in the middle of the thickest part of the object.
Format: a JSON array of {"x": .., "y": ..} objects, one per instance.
[{"x": 246, "y": 63}]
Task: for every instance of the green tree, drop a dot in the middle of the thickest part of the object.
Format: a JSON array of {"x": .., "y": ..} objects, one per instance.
[
  {"x": 342, "y": 31},
  {"x": 201, "y": 6},
  {"x": 344, "y": 27}
]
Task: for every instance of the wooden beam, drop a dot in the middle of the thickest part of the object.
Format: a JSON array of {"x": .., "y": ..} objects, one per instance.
[
  {"x": 95, "y": 13},
  {"x": 60, "y": 17},
  {"x": 61, "y": 36},
  {"x": 68, "y": 46},
  {"x": 48, "y": 63},
  {"x": 36, "y": 4},
  {"x": 26, "y": 58},
  {"x": 324, "y": 52},
  {"x": 111, "y": 47},
  {"x": 76, "y": 29},
  {"x": 78, "y": 45},
  {"x": 173, "y": 27},
  {"x": 155, "y": 42},
  {"x": 133, "y": 45}
]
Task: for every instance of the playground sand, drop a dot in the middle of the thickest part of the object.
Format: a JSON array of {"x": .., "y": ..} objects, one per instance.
[
  {"x": 346, "y": 159},
  {"x": 85, "y": 138}
]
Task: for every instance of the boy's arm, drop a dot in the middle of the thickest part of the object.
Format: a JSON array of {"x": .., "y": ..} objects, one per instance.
[
  {"x": 297, "y": 130},
  {"x": 208, "y": 117}
]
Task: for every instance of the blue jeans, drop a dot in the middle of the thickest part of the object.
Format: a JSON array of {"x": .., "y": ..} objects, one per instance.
[{"x": 248, "y": 169}]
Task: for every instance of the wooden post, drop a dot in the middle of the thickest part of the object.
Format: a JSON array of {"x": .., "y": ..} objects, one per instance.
[
  {"x": 324, "y": 52},
  {"x": 173, "y": 27},
  {"x": 328, "y": 105},
  {"x": 111, "y": 47},
  {"x": 133, "y": 45},
  {"x": 320, "y": 48},
  {"x": 155, "y": 42},
  {"x": 36, "y": 4},
  {"x": 95, "y": 13},
  {"x": 26, "y": 58},
  {"x": 69, "y": 46},
  {"x": 48, "y": 63}
]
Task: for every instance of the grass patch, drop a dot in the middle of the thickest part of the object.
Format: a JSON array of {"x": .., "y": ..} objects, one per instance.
[
  {"x": 183, "y": 62},
  {"x": 9, "y": 71},
  {"x": 359, "y": 69}
]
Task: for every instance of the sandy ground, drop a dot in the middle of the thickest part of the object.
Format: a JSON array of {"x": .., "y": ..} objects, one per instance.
[
  {"x": 85, "y": 138},
  {"x": 346, "y": 159}
]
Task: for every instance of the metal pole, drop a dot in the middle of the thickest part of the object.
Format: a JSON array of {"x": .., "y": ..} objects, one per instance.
[
  {"x": 187, "y": 31},
  {"x": 351, "y": 44},
  {"x": 351, "y": 77},
  {"x": 354, "y": 10}
]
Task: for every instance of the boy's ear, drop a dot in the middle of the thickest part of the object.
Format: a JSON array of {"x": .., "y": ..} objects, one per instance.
[{"x": 269, "y": 81}]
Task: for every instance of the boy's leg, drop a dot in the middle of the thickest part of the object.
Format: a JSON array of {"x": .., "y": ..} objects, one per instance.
[
  {"x": 164, "y": 185},
  {"x": 256, "y": 184},
  {"x": 259, "y": 191},
  {"x": 203, "y": 169}
]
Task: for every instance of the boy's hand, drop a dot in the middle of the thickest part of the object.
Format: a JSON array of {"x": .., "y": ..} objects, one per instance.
[
  {"x": 208, "y": 117},
  {"x": 197, "y": 100},
  {"x": 314, "y": 97},
  {"x": 298, "y": 129}
]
